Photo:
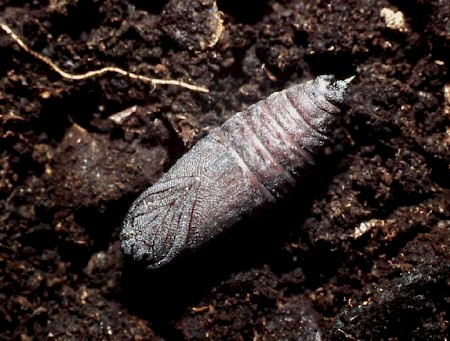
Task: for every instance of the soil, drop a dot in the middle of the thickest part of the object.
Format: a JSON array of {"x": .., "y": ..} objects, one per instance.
[{"x": 360, "y": 252}]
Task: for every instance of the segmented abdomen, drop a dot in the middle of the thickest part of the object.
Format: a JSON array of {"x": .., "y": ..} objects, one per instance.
[{"x": 253, "y": 158}]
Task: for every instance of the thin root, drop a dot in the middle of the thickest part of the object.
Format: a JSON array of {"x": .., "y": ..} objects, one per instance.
[{"x": 113, "y": 69}]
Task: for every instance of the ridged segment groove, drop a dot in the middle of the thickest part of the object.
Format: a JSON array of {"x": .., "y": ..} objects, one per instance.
[
  {"x": 254, "y": 153},
  {"x": 304, "y": 114},
  {"x": 253, "y": 180},
  {"x": 278, "y": 140},
  {"x": 265, "y": 138},
  {"x": 291, "y": 121}
]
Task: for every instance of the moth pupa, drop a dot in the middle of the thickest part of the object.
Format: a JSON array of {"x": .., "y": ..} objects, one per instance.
[{"x": 253, "y": 159}]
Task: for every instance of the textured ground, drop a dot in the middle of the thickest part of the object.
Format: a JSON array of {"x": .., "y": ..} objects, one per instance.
[{"x": 360, "y": 252}]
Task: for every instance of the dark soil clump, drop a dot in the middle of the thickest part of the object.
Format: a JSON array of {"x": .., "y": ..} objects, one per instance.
[{"x": 360, "y": 252}]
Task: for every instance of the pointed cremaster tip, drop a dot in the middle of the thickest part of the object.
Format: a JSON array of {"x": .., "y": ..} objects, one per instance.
[
  {"x": 349, "y": 79},
  {"x": 335, "y": 89}
]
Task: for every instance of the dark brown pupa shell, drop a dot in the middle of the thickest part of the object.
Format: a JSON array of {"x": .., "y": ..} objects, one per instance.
[{"x": 252, "y": 159}]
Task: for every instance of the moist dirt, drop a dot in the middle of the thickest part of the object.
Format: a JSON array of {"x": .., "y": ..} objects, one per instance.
[{"x": 361, "y": 251}]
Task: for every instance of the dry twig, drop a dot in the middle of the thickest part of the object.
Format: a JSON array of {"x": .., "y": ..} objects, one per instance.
[{"x": 113, "y": 69}]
